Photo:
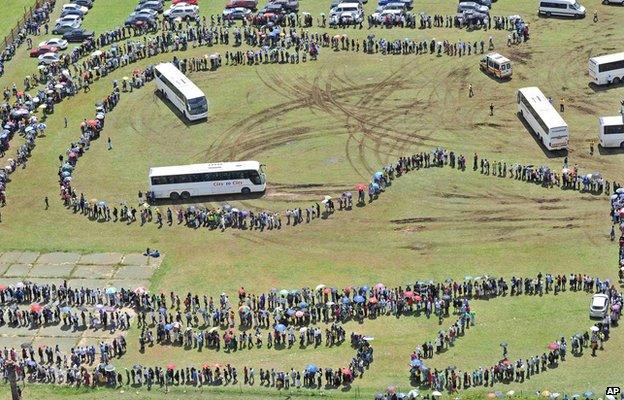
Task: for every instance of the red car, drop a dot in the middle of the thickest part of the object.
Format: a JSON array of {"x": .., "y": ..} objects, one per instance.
[
  {"x": 46, "y": 48},
  {"x": 250, "y": 4},
  {"x": 191, "y": 2}
]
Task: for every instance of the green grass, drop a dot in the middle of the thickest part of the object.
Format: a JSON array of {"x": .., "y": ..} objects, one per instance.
[
  {"x": 349, "y": 113},
  {"x": 15, "y": 9}
]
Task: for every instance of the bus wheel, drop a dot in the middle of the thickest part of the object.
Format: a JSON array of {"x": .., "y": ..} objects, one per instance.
[
  {"x": 548, "y": 14},
  {"x": 174, "y": 195},
  {"x": 185, "y": 195},
  {"x": 245, "y": 190},
  {"x": 616, "y": 81},
  {"x": 622, "y": 145}
]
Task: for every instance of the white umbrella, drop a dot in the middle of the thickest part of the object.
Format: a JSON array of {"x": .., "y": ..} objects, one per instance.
[
  {"x": 97, "y": 53},
  {"x": 435, "y": 393},
  {"x": 412, "y": 394},
  {"x": 320, "y": 287},
  {"x": 511, "y": 393},
  {"x": 594, "y": 328}
]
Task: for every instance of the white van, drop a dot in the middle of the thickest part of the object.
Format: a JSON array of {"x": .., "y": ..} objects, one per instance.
[
  {"x": 611, "y": 131},
  {"x": 564, "y": 8},
  {"x": 350, "y": 11}
]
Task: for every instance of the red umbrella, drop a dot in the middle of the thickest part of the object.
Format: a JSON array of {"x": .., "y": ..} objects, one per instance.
[
  {"x": 417, "y": 297},
  {"x": 92, "y": 123},
  {"x": 170, "y": 367},
  {"x": 348, "y": 289},
  {"x": 35, "y": 307},
  {"x": 206, "y": 366},
  {"x": 373, "y": 300},
  {"x": 361, "y": 187},
  {"x": 553, "y": 346},
  {"x": 3, "y": 288},
  {"x": 408, "y": 294},
  {"x": 327, "y": 290},
  {"x": 506, "y": 361}
]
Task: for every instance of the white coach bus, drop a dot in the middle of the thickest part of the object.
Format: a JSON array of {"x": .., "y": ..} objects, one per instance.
[
  {"x": 611, "y": 131},
  {"x": 184, "y": 181},
  {"x": 607, "y": 69},
  {"x": 545, "y": 121},
  {"x": 180, "y": 91}
]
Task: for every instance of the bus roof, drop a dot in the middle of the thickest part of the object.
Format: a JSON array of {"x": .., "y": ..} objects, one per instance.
[
  {"x": 184, "y": 84},
  {"x": 607, "y": 58},
  {"x": 609, "y": 121},
  {"x": 540, "y": 103},
  {"x": 203, "y": 168}
]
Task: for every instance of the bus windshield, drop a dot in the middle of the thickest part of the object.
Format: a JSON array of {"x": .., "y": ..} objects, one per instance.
[
  {"x": 197, "y": 105},
  {"x": 576, "y": 5}
]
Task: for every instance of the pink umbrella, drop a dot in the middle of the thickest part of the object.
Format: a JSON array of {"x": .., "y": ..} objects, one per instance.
[
  {"x": 408, "y": 294},
  {"x": 379, "y": 286},
  {"x": 553, "y": 346},
  {"x": 417, "y": 297},
  {"x": 171, "y": 367},
  {"x": 361, "y": 187},
  {"x": 299, "y": 314},
  {"x": 373, "y": 300},
  {"x": 35, "y": 307}
]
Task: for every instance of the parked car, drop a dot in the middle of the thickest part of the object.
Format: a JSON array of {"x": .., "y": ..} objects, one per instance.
[
  {"x": 287, "y": 5},
  {"x": 409, "y": 4},
  {"x": 72, "y": 11},
  {"x": 620, "y": 2},
  {"x": 72, "y": 6},
  {"x": 138, "y": 19},
  {"x": 184, "y": 12},
  {"x": 150, "y": 5},
  {"x": 144, "y": 11},
  {"x": 389, "y": 16},
  {"x": 69, "y": 18},
  {"x": 43, "y": 49},
  {"x": 250, "y": 4},
  {"x": 189, "y": 2},
  {"x": 486, "y": 3},
  {"x": 599, "y": 305},
  {"x": 83, "y": 3},
  {"x": 236, "y": 13},
  {"x": 56, "y": 42},
  {"x": 64, "y": 27},
  {"x": 49, "y": 58},
  {"x": 347, "y": 12},
  {"x": 472, "y": 6},
  {"x": 272, "y": 8},
  {"x": 78, "y": 35}
]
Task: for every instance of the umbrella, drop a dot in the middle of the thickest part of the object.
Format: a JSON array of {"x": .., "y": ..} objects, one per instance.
[
  {"x": 140, "y": 290},
  {"x": 170, "y": 367},
  {"x": 111, "y": 290},
  {"x": 280, "y": 327},
  {"x": 545, "y": 393},
  {"x": 327, "y": 198},
  {"x": 373, "y": 300},
  {"x": 346, "y": 371},
  {"x": 303, "y": 330},
  {"x": 109, "y": 368},
  {"x": 26, "y": 345},
  {"x": 417, "y": 297},
  {"x": 311, "y": 368},
  {"x": 412, "y": 394},
  {"x": 416, "y": 363},
  {"x": 594, "y": 328},
  {"x": 3, "y": 288},
  {"x": 243, "y": 309},
  {"x": 66, "y": 309},
  {"x": 303, "y": 304},
  {"x": 168, "y": 327},
  {"x": 299, "y": 314},
  {"x": 319, "y": 287},
  {"x": 553, "y": 346},
  {"x": 358, "y": 299},
  {"x": 327, "y": 290},
  {"x": 503, "y": 344},
  {"x": 35, "y": 307},
  {"x": 511, "y": 393},
  {"x": 379, "y": 286},
  {"x": 435, "y": 393},
  {"x": 361, "y": 187},
  {"x": 330, "y": 303},
  {"x": 213, "y": 329},
  {"x": 588, "y": 394},
  {"x": 96, "y": 53},
  {"x": 345, "y": 300},
  {"x": 491, "y": 395},
  {"x": 283, "y": 292},
  {"x": 290, "y": 312},
  {"x": 555, "y": 395}
]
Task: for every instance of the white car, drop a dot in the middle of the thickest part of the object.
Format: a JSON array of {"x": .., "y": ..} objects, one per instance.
[
  {"x": 64, "y": 27},
  {"x": 56, "y": 42},
  {"x": 68, "y": 18},
  {"x": 49, "y": 58},
  {"x": 620, "y": 2},
  {"x": 72, "y": 6},
  {"x": 599, "y": 306},
  {"x": 182, "y": 12},
  {"x": 393, "y": 15},
  {"x": 145, "y": 11},
  {"x": 236, "y": 13}
]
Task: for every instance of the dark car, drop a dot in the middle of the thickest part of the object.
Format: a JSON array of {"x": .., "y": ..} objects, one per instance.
[
  {"x": 84, "y": 3},
  {"x": 78, "y": 35},
  {"x": 250, "y": 4},
  {"x": 139, "y": 18},
  {"x": 152, "y": 5},
  {"x": 272, "y": 8},
  {"x": 287, "y": 5}
]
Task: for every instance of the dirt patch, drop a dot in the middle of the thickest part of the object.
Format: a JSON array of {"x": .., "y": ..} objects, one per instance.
[
  {"x": 567, "y": 226},
  {"x": 416, "y": 247},
  {"x": 413, "y": 220},
  {"x": 552, "y": 207},
  {"x": 409, "y": 229},
  {"x": 487, "y": 124},
  {"x": 547, "y": 200}
]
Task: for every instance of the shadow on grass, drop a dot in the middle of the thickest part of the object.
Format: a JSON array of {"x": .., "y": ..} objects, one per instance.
[{"x": 547, "y": 153}]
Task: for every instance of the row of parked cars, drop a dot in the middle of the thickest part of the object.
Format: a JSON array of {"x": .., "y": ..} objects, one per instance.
[
  {"x": 146, "y": 11},
  {"x": 273, "y": 11},
  {"x": 69, "y": 25}
]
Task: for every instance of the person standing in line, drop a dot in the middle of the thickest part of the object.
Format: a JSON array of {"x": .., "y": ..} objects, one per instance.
[
  {"x": 562, "y": 105},
  {"x": 491, "y": 109}
]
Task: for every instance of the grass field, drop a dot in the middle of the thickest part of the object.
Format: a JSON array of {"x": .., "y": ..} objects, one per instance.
[
  {"x": 321, "y": 127},
  {"x": 15, "y": 9}
]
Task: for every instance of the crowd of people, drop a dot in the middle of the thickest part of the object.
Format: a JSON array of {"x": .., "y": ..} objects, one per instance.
[{"x": 283, "y": 317}]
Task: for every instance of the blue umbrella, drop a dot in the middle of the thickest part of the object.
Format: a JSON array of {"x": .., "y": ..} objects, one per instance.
[
  {"x": 162, "y": 310},
  {"x": 311, "y": 368},
  {"x": 65, "y": 174},
  {"x": 290, "y": 312},
  {"x": 358, "y": 299},
  {"x": 111, "y": 290},
  {"x": 375, "y": 186},
  {"x": 365, "y": 288},
  {"x": 588, "y": 394},
  {"x": 416, "y": 363},
  {"x": 168, "y": 327},
  {"x": 66, "y": 309},
  {"x": 345, "y": 300},
  {"x": 378, "y": 175},
  {"x": 280, "y": 327},
  {"x": 303, "y": 304}
]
